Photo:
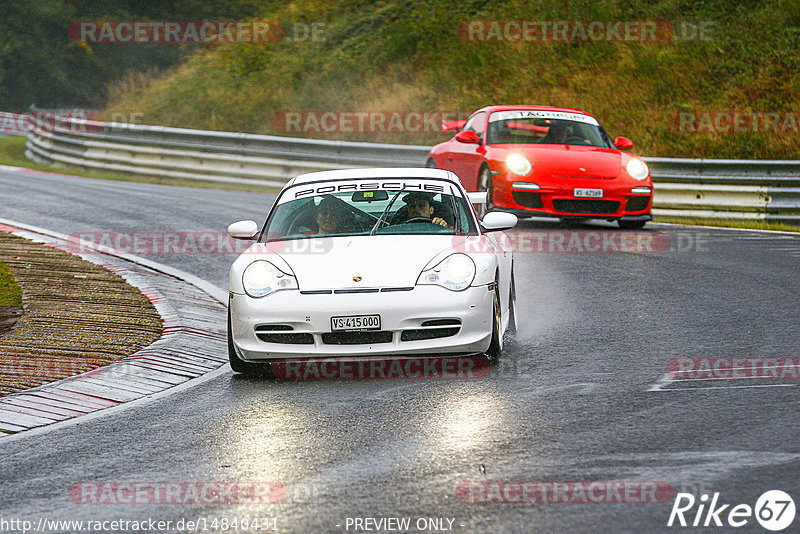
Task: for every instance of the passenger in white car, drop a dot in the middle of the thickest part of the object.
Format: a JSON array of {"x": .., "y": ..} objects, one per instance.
[{"x": 332, "y": 217}]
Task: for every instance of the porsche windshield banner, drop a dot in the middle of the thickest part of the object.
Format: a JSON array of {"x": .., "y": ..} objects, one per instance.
[
  {"x": 562, "y": 115},
  {"x": 371, "y": 184}
]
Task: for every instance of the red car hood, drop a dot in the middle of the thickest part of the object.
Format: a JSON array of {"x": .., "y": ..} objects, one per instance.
[{"x": 567, "y": 160}]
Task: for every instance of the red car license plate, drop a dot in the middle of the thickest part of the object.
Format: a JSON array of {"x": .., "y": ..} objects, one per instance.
[{"x": 587, "y": 193}]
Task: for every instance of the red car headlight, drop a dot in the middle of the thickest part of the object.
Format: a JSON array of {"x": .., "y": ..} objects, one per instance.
[
  {"x": 518, "y": 164},
  {"x": 637, "y": 169}
]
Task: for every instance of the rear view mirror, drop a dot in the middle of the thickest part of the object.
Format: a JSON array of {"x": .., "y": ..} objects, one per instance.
[
  {"x": 623, "y": 143},
  {"x": 243, "y": 230},
  {"x": 467, "y": 136},
  {"x": 370, "y": 196}
]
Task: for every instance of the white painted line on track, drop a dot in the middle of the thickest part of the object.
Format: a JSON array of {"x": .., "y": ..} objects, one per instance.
[
  {"x": 759, "y": 377},
  {"x": 662, "y": 382},
  {"x": 756, "y": 230},
  {"x": 665, "y": 381},
  {"x": 728, "y": 387}
]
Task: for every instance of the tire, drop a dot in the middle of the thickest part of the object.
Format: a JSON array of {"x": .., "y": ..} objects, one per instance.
[
  {"x": 237, "y": 364},
  {"x": 496, "y": 344},
  {"x": 430, "y": 164},
  {"x": 485, "y": 184},
  {"x": 631, "y": 225}
]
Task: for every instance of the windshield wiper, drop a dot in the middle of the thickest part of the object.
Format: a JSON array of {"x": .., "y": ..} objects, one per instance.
[{"x": 385, "y": 213}]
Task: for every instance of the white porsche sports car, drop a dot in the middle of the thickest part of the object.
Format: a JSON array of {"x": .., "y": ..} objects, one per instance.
[{"x": 371, "y": 262}]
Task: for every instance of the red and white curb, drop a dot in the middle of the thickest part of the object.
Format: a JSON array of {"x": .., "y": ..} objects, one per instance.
[{"x": 193, "y": 345}]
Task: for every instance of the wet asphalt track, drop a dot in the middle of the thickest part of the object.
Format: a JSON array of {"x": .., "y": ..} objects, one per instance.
[{"x": 572, "y": 399}]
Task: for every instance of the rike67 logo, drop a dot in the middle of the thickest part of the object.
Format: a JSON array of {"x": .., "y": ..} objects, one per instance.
[{"x": 774, "y": 511}]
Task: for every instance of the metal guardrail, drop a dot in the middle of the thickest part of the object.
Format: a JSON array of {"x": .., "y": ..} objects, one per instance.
[
  {"x": 726, "y": 189},
  {"x": 697, "y": 188},
  {"x": 203, "y": 155}
]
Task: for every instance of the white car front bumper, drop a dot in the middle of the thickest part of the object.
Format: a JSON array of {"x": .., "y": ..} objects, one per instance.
[{"x": 303, "y": 323}]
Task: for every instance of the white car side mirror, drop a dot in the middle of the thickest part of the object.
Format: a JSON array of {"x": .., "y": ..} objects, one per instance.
[
  {"x": 243, "y": 230},
  {"x": 499, "y": 220}
]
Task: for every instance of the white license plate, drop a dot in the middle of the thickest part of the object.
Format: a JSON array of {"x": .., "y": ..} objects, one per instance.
[
  {"x": 587, "y": 193},
  {"x": 356, "y": 322}
]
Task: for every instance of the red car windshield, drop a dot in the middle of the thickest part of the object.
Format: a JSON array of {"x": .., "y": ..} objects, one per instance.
[{"x": 545, "y": 128}]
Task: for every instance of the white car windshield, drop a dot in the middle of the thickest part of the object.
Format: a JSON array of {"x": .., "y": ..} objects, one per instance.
[
  {"x": 545, "y": 128},
  {"x": 369, "y": 207}
]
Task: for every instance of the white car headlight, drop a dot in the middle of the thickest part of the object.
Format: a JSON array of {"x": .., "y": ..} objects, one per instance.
[
  {"x": 518, "y": 164},
  {"x": 456, "y": 272},
  {"x": 261, "y": 278},
  {"x": 637, "y": 169}
]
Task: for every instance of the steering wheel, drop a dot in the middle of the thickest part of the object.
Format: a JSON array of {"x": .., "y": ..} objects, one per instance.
[{"x": 414, "y": 220}]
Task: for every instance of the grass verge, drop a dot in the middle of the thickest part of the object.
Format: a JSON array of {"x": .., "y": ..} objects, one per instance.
[
  {"x": 10, "y": 291},
  {"x": 12, "y": 153},
  {"x": 94, "y": 318}
]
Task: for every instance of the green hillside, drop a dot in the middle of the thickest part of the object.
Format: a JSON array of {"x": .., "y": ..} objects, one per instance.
[
  {"x": 416, "y": 56},
  {"x": 40, "y": 65}
]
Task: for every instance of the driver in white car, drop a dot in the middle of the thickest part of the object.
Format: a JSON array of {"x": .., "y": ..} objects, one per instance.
[{"x": 419, "y": 206}]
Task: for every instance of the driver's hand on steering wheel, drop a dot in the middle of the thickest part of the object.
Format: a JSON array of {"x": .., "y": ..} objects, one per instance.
[{"x": 439, "y": 221}]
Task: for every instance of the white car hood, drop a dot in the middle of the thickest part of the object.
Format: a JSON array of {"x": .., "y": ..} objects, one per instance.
[{"x": 379, "y": 261}]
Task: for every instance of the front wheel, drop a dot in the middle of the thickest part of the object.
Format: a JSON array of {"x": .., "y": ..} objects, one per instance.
[
  {"x": 430, "y": 164},
  {"x": 496, "y": 344},
  {"x": 631, "y": 225}
]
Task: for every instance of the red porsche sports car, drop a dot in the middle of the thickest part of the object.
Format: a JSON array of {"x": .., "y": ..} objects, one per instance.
[{"x": 546, "y": 161}]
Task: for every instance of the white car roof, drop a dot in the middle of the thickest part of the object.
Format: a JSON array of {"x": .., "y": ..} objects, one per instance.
[{"x": 374, "y": 172}]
